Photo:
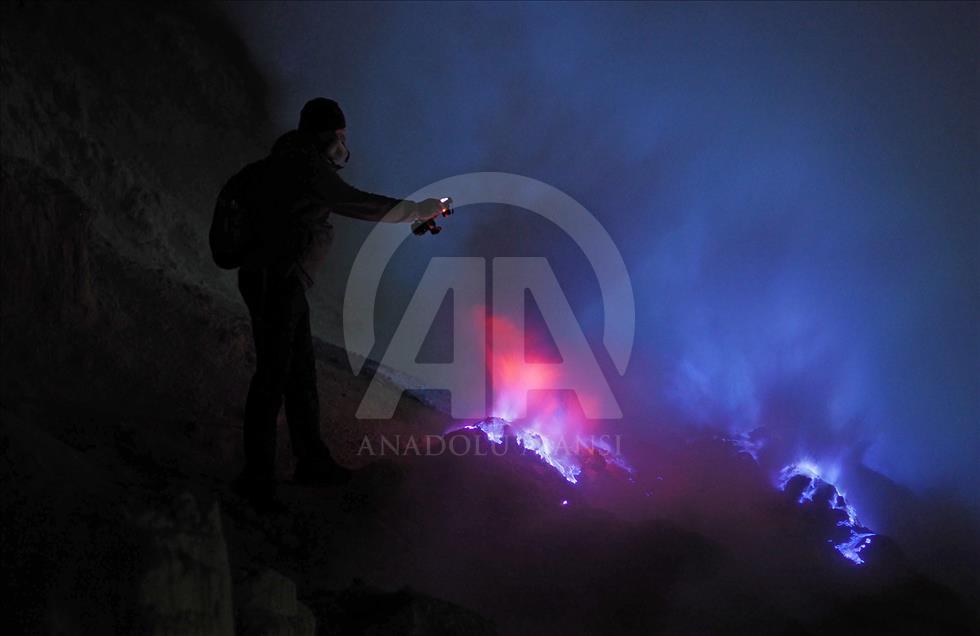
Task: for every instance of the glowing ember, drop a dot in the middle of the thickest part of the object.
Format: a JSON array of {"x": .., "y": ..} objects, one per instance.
[
  {"x": 558, "y": 456},
  {"x": 859, "y": 537},
  {"x": 567, "y": 457}
]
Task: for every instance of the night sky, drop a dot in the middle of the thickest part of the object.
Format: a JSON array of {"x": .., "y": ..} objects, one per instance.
[{"x": 793, "y": 188}]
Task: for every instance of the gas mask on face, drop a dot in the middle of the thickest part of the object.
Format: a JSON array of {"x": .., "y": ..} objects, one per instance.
[{"x": 337, "y": 153}]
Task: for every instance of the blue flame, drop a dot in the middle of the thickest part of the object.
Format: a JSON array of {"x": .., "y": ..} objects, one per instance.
[
  {"x": 498, "y": 429},
  {"x": 859, "y": 537},
  {"x": 853, "y": 546}
]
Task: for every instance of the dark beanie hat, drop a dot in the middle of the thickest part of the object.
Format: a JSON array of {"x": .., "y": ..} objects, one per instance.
[{"x": 320, "y": 115}]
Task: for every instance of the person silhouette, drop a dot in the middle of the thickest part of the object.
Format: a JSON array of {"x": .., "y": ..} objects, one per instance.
[{"x": 273, "y": 280}]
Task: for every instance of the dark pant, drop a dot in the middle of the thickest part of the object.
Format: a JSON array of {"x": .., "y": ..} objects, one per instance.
[{"x": 285, "y": 366}]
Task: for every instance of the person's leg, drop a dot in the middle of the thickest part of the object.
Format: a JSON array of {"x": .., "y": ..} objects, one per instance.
[
  {"x": 273, "y": 322},
  {"x": 314, "y": 464},
  {"x": 302, "y": 401}
]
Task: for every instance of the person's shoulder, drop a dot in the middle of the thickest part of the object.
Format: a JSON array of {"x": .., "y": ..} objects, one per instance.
[
  {"x": 291, "y": 141},
  {"x": 296, "y": 149}
]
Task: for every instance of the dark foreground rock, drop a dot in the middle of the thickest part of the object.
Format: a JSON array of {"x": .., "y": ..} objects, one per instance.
[
  {"x": 364, "y": 610},
  {"x": 183, "y": 581},
  {"x": 266, "y": 605}
]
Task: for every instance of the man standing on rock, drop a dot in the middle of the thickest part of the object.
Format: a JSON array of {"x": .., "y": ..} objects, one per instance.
[{"x": 305, "y": 189}]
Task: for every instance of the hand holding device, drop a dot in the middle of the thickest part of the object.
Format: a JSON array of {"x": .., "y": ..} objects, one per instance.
[{"x": 433, "y": 208}]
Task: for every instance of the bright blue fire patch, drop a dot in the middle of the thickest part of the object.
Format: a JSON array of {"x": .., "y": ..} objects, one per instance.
[{"x": 859, "y": 537}]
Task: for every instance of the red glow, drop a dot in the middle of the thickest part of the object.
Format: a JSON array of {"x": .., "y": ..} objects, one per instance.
[
  {"x": 554, "y": 413},
  {"x": 555, "y": 426}
]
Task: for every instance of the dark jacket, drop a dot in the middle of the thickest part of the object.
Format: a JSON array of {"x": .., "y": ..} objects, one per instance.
[{"x": 308, "y": 190}]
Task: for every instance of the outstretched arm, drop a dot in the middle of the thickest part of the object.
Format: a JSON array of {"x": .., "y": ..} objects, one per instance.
[{"x": 346, "y": 200}]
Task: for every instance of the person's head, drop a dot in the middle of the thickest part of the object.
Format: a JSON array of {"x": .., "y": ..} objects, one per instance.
[{"x": 323, "y": 119}]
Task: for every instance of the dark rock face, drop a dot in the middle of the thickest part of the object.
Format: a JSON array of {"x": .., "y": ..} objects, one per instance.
[
  {"x": 120, "y": 122},
  {"x": 142, "y": 111},
  {"x": 183, "y": 582}
]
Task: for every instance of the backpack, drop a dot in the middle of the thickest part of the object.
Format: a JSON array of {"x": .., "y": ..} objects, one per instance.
[{"x": 240, "y": 214}]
